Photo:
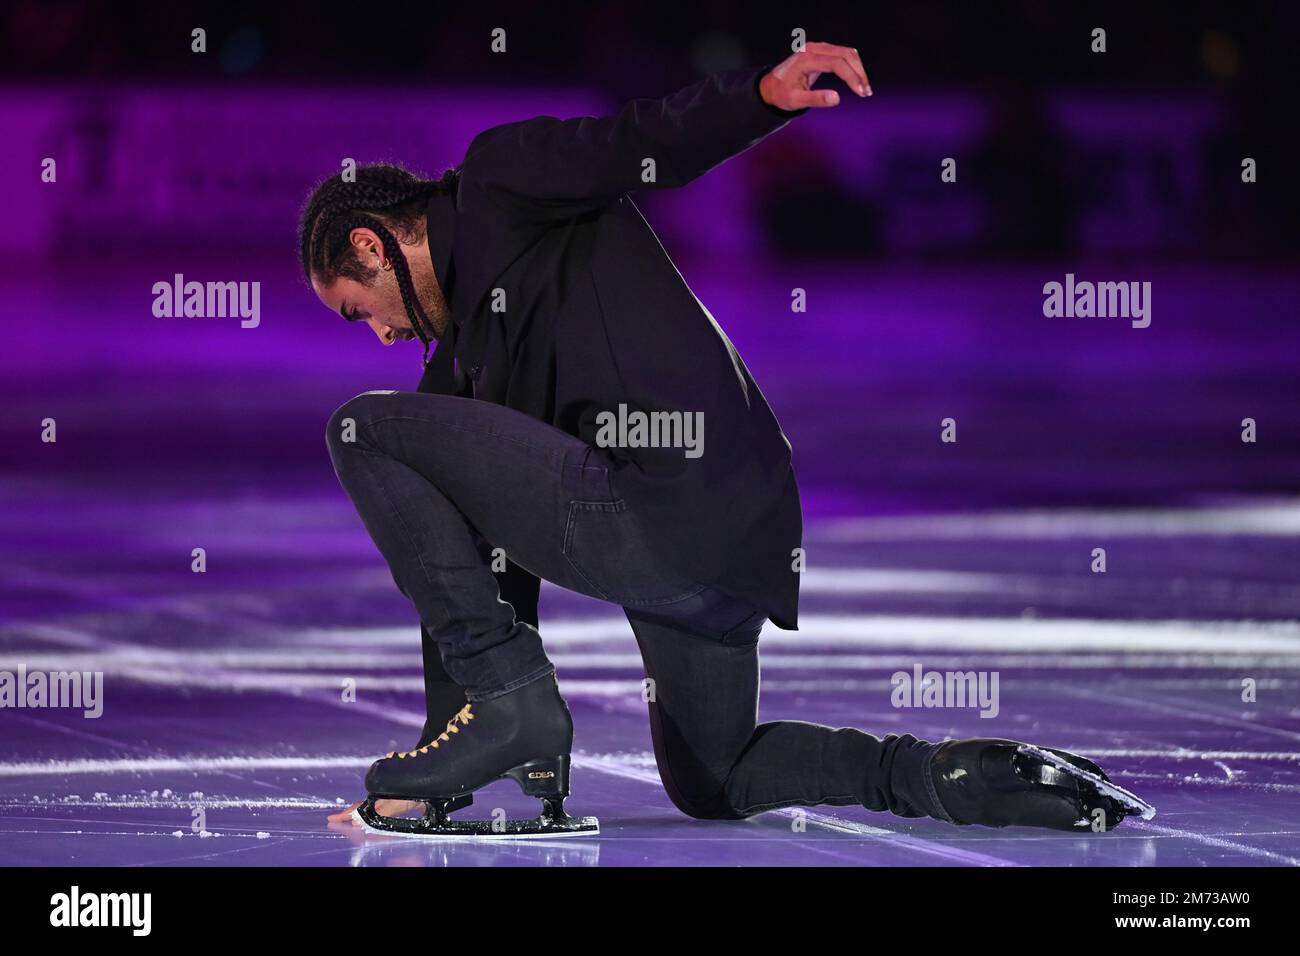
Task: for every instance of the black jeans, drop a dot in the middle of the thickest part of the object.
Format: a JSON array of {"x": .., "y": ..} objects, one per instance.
[{"x": 437, "y": 478}]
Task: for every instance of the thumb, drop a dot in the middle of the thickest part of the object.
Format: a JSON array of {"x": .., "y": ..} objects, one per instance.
[{"x": 814, "y": 99}]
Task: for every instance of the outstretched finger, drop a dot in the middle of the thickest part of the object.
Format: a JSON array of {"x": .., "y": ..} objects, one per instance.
[
  {"x": 857, "y": 61},
  {"x": 343, "y": 816}
]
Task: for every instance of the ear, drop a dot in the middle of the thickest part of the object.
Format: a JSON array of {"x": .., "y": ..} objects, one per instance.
[{"x": 368, "y": 245}]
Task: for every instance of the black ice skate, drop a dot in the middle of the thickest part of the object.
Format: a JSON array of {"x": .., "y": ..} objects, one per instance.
[
  {"x": 1001, "y": 783},
  {"x": 525, "y": 735}
]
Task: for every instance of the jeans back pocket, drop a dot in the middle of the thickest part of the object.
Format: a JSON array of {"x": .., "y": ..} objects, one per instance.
[{"x": 607, "y": 547}]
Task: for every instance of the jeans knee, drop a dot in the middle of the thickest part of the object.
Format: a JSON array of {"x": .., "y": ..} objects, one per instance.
[
  {"x": 350, "y": 417},
  {"x": 715, "y": 808}
]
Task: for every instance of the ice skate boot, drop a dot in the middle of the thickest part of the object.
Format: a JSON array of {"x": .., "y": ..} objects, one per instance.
[
  {"x": 1001, "y": 783},
  {"x": 525, "y": 735}
]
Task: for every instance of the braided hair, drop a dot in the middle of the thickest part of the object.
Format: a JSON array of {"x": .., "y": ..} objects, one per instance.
[{"x": 385, "y": 199}]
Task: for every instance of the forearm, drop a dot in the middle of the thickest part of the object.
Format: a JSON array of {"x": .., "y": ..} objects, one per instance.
[{"x": 549, "y": 167}]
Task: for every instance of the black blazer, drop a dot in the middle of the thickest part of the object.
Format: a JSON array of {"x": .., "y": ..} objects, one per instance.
[{"x": 596, "y": 315}]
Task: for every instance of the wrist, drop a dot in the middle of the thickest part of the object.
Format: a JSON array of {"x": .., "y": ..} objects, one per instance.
[{"x": 762, "y": 87}]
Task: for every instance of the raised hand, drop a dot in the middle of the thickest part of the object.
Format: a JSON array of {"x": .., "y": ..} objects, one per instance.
[{"x": 788, "y": 85}]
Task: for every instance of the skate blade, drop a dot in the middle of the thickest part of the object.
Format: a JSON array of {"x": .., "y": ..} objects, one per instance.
[
  {"x": 541, "y": 828},
  {"x": 1130, "y": 801}
]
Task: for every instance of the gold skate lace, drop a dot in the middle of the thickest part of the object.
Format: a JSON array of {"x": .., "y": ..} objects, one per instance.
[{"x": 463, "y": 717}]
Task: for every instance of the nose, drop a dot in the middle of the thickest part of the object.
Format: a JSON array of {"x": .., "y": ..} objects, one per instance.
[{"x": 385, "y": 335}]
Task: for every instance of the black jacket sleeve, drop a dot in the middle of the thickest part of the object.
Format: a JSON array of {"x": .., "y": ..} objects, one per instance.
[{"x": 559, "y": 168}]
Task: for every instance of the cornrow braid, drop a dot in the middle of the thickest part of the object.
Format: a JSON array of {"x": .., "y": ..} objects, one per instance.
[{"x": 386, "y": 199}]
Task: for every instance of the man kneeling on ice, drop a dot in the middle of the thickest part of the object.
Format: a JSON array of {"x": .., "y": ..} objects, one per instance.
[{"x": 554, "y": 305}]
